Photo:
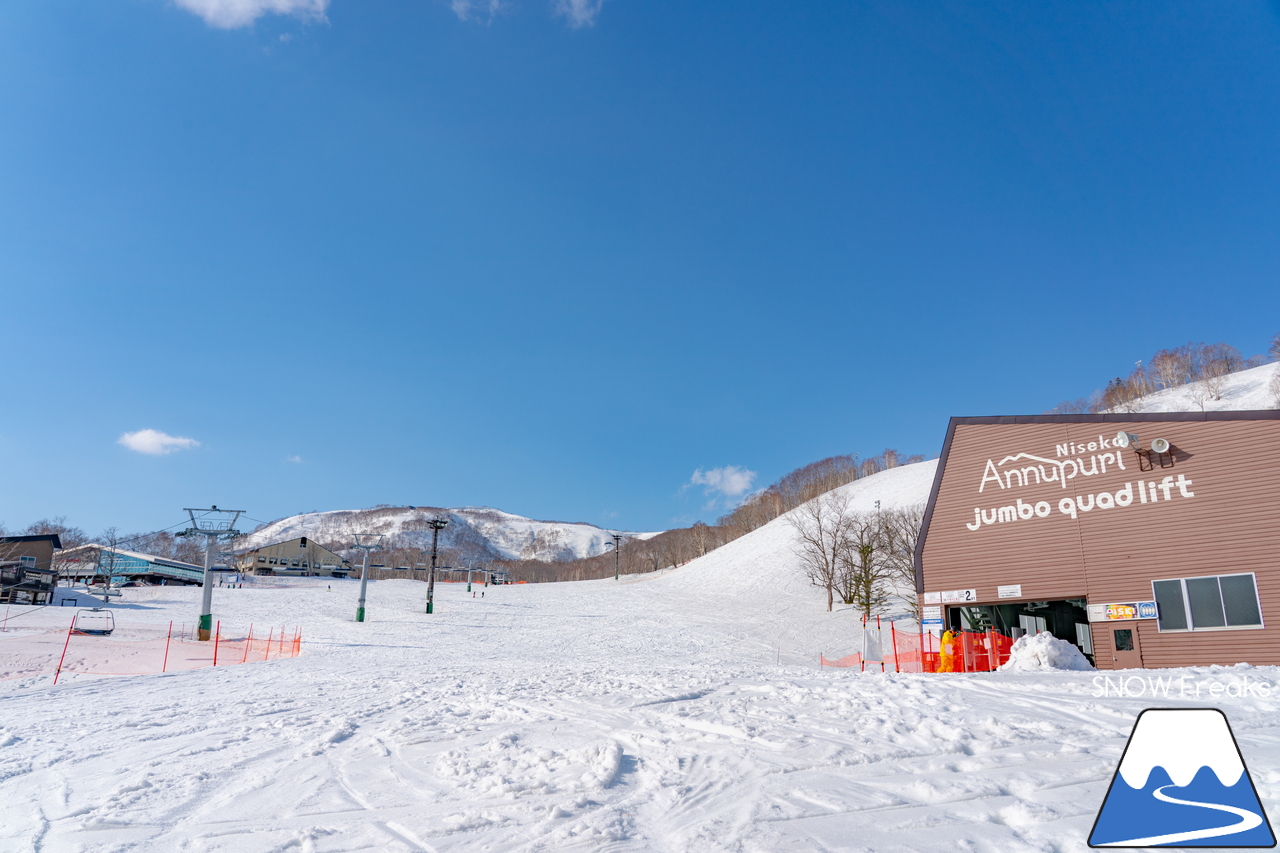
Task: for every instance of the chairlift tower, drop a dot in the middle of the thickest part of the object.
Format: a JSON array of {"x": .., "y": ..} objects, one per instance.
[
  {"x": 213, "y": 524},
  {"x": 365, "y": 542},
  {"x": 616, "y": 545},
  {"x": 436, "y": 524}
]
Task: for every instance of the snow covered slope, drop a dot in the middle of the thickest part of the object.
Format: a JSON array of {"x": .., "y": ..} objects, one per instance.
[
  {"x": 758, "y": 576},
  {"x": 592, "y": 716},
  {"x": 1244, "y": 391},
  {"x": 478, "y": 531}
]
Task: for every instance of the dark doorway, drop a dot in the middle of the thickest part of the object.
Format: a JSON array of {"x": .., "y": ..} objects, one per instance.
[{"x": 1067, "y": 619}]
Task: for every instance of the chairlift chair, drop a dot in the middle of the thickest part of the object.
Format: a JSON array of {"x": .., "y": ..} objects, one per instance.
[{"x": 95, "y": 621}]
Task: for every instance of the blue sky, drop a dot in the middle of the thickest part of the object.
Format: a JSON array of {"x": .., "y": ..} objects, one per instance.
[{"x": 574, "y": 259}]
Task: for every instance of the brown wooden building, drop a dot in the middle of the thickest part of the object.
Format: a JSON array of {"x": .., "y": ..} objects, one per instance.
[
  {"x": 27, "y": 573},
  {"x": 1141, "y": 555}
]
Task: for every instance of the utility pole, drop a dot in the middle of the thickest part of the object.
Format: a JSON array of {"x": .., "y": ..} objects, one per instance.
[
  {"x": 437, "y": 524},
  {"x": 365, "y": 542},
  {"x": 616, "y": 545},
  {"x": 213, "y": 524}
]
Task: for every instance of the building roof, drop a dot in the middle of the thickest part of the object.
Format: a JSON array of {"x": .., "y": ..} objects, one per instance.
[
  {"x": 137, "y": 555},
  {"x": 43, "y": 537}
]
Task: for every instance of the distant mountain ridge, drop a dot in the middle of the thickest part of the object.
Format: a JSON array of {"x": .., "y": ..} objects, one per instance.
[{"x": 478, "y": 532}]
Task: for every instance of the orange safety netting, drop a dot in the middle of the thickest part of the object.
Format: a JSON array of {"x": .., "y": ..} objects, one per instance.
[
  {"x": 136, "y": 650},
  {"x": 914, "y": 651}
]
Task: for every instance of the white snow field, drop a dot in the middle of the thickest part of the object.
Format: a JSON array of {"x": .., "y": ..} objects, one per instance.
[{"x": 674, "y": 712}]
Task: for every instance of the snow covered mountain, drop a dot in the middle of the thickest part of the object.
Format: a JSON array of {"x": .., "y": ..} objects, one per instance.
[{"x": 479, "y": 532}]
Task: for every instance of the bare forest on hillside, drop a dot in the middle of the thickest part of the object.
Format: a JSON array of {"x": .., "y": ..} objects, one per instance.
[
  {"x": 674, "y": 548},
  {"x": 1200, "y": 365}
]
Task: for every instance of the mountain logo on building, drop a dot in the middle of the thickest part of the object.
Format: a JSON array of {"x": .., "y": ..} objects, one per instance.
[{"x": 1182, "y": 782}]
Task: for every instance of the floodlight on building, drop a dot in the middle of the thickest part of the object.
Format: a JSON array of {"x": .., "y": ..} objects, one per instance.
[
  {"x": 1160, "y": 445},
  {"x": 1127, "y": 439}
]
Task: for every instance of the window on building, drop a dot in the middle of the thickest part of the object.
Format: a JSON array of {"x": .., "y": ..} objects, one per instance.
[
  {"x": 1208, "y": 603},
  {"x": 262, "y": 559}
]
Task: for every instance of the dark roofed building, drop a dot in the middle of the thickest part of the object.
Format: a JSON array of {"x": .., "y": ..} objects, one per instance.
[{"x": 27, "y": 574}]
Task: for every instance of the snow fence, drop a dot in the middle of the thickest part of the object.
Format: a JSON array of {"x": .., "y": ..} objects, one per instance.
[
  {"x": 137, "y": 650},
  {"x": 887, "y": 649}
]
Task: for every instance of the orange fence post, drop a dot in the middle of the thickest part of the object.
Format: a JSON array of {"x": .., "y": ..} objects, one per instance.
[
  {"x": 217, "y": 635},
  {"x": 5, "y": 625},
  {"x": 165, "y": 665},
  {"x": 280, "y": 651},
  {"x": 58, "y": 671},
  {"x": 893, "y": 635},
  {"x": 247, "y": 643},
  {"x": 267, "y": 654}
]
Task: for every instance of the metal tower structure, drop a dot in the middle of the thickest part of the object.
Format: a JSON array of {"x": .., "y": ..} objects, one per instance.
[
  {"x": 365, "y": 542},
  {"x": 213, "y": 524},
  {"x": 436, "y": 524},
  {"x": 616, "y": 545}
]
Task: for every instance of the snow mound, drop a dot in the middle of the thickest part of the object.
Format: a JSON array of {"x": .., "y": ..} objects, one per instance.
[{"x": 1042, "y": 652}]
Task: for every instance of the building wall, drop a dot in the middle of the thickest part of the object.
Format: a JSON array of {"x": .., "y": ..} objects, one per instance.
[
  {"x": 1230, "y": 524},
  {"x": 42, "y": 550},
  {"x": 286, "y": 554}
]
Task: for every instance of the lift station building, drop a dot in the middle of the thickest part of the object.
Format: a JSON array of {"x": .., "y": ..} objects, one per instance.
[{"x": 1149, "y": 540}]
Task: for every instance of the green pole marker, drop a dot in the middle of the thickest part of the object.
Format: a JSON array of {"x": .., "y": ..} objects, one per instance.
[{"x": 359, "y": 614}]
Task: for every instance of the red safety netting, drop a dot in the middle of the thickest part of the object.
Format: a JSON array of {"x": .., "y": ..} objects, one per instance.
[
  {"x": 915, "y": 651},
  {"x": 137, "y": 650}
]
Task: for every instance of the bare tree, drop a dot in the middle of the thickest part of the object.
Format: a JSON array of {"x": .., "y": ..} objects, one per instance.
[
  {"x": 1198, "y": 392},
  {"x": 901, "y": 530},
  {"x": 822, "y": 529},
  {"x": 107, "y": 557},
  {"x": 69, "y": 536},
  {"x": 702, "y": 538},
  {"x": 862, "y": 573},
  {"x": 1274, "y": 349},
  {"x": 1275, "y": 387}
]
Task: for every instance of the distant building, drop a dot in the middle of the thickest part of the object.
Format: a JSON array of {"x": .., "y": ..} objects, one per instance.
[
  {"x": 27, "y": 575},
  {"x": 98, "y": 562},
  {"x": 301, "y": 557}
]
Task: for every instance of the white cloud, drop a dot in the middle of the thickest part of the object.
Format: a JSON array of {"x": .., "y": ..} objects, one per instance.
[
  {"x": 229, "y": 14},
  {"x": 580, "y": 13},
  {"x": 476, "y": 10},
  {"x": 728, "y": 482},
  {"x": 154, "y": 442},
  {"x": 296, "y": 460}
]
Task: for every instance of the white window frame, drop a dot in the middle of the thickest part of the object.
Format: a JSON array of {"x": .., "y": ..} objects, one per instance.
[{"x": 1186, "y": 605}]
